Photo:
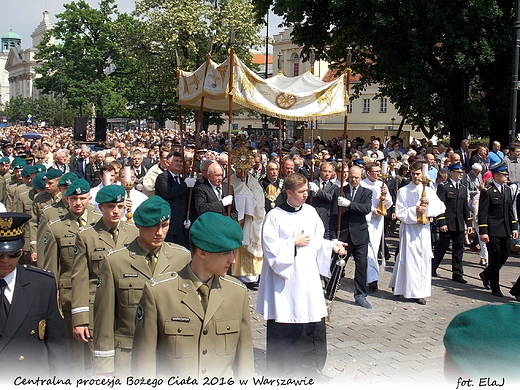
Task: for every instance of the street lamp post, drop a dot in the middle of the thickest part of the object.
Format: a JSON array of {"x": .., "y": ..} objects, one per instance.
[{"x": 514, "y": 82}]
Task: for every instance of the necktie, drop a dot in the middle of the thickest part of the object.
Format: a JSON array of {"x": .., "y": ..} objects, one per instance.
[
  {"x": 115, "y": 233},
  {"x": 323, "y": 184},
  {"x": 4, "y": 306},
  {"x": 152, "y": 260},
  {"x": 177, "y": 180},
  {"x": 353, "y": 193},
  {"x": 204, "y": 295},
  {"x": 219, "y": 193},
  {"x": 80, "y": 221}
]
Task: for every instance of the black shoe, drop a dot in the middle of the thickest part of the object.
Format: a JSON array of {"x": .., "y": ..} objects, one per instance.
[
  {"x": 517, "y": 297},
  {"x": 362, "y": 301},
  {"x": 373, "y": 285},
  {"x": 459, "y": 279},
  {"x": 497, "y": 293},
  {"x": 420, "y": 301},
  {"x": 485, "y": 280}
]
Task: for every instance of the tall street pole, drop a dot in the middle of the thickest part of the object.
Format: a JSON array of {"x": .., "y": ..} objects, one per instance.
[{"x": 514, "y": 82}]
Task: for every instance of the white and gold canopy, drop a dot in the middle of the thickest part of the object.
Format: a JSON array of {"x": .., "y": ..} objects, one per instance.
[{"x": 298, "y": 98}]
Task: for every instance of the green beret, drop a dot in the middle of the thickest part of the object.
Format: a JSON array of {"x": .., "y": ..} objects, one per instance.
[
  {"x": 485, "y": 341},
  {"x": 152, "y": 211},
  {"x": 38, "y": 181},
  {"x": 67, "y": 179},
  {"x": 41, "y": 167},
  {"x": 28, "y": 170},
  {"x": 5, "y": 160},
  {"x": 18, "y": 163},
  {"x": 216, "y": 233},
  {"x": 78, "y": 187},
  {"x": 113, "y": 193},
  {"x": 53, "y": 173}
]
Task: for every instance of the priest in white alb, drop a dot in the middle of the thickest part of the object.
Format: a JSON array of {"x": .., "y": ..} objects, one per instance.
[
  {"x": 290, "y": 296},
  {"x": 412, "y": 271}
]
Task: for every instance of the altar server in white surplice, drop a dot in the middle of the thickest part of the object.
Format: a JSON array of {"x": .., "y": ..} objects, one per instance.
[
  {"x": 375, "y": 220},
  {"x": 412, "y": 272},
  {"x": 290, "y": 296}
]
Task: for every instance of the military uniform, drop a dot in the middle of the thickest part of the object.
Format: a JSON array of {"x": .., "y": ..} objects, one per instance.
[
  {"x": 91, "y": 246},
  {"x": 32, "y": 331},
  {"x": 456, "y": 218},
  {"x": 496, "y": 218},
  {"x": 23, "y": 204},
  {"x": 120, "y": 284},
  {"x": 40, "y": 201},
  {"x": 56, "y": 249},
  {"x": 174, "y": 336}
]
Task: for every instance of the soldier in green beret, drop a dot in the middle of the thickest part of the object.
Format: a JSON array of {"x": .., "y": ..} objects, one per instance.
[
  {"x": 23, "y": 204},
  {"x": 59, "y": 208},
  {"x": 15, "y": 181},
  {"x": 92, "y": 244},
  {"x": 5, "y": 176},
  {"x": 51, "y": 195},
  {"x": 122, "y": 278},
  {"x": 56, "y": 253},
  {"x": 196, "y": 322},
  {"x": 27, "y": 174}
]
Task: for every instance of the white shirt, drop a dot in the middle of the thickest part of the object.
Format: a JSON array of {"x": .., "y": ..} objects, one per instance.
[{"x": 10, "y": 279}]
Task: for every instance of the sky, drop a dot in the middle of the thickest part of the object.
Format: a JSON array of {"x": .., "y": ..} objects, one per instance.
[{"x": 23, "y": 16}]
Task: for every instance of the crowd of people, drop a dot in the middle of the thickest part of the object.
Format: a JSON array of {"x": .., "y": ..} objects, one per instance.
[{"x": 154, "y": 237}]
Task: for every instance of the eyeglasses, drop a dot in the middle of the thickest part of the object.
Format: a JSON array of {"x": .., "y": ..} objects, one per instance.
[{"x": 12, "y": 255}]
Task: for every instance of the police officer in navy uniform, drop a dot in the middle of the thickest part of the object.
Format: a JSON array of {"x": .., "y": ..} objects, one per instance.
[
  {"x": 32, "y": 331},
  {"x": 497, "y": 226},
  {"x": 454, "y": 223}
]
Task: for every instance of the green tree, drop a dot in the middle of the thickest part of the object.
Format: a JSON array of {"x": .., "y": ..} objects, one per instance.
[
  {"x": 79, "y": 55},
  {"x": 186, "y": 26},
  {"x": 444, "y": 64}
]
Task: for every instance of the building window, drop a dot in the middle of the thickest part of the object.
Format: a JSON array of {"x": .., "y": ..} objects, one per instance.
[
  {"x": 296, "y": 69},
  {"x": 383, "y": 104},
  {"x": 349, "y": 107},
  {"x": 366, "y": 105}
]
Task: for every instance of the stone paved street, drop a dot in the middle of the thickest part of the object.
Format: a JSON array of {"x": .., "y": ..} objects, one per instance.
[{"x": 396, "y": 344}]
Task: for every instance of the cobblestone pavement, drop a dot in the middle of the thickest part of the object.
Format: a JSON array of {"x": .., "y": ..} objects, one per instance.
[{"x": 397, "y": 343}]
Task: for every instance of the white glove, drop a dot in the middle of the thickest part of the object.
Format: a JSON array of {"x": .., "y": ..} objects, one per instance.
[
  {"x": 190, "y": 182},
  {"x": 313, "y": 187},
  {"x": 227, "y": 200},
  {"x": 343, "y": 202},
  {"x": 187, "y": 224}
]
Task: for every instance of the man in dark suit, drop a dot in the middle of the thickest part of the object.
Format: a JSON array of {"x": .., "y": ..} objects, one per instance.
[
  {"x": 32, "y": 331},
  {"x": 213, "y": 196},
  {"x": 497, "y": 226},
  {"x": 273, "y": 186},
  {"x": 137, "y": 164},
  {"x": 173, "y": 189},
  {"x": 82, "y": 162},
  {"x": 453, "y": 223},
  {"x": 323, "y": 190},
  {"x": 356, "y": 203}
]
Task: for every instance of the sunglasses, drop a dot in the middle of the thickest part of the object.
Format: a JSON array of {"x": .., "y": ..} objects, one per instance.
[{"x": 12, "y": 255}]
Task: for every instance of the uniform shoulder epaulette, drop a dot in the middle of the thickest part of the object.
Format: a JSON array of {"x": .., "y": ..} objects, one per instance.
[
  {"x": 176, "y": 246},
  {"x": 42, "y": 271},
  {"x": 59, "y": 219},
  {"x": 115, "y": 250},
  {"x": 48, "y": 206},
  {"x": 233, "y": 280},
  {"x": 129, "y": 223},
  {"x": 163, "y": 278},
  {"x": 83, "y": 228}
]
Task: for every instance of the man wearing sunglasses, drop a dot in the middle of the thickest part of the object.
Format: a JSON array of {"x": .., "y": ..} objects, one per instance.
[{"x": 32, "y": 332}]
